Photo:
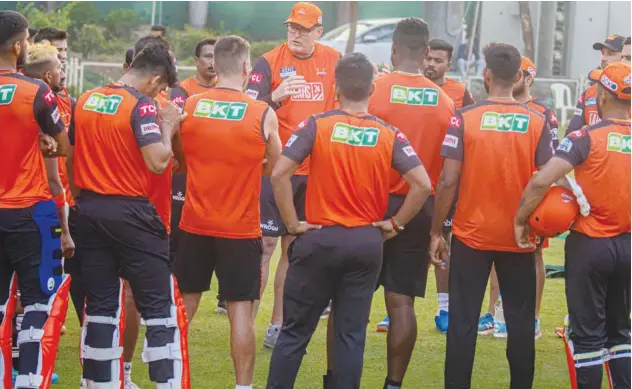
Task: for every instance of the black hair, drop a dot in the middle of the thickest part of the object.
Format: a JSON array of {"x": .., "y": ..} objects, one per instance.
[
  {"x": 155, "y": 58},
  {"x": 129, "y": 56},
  {"x": 354, "y": 76},
  {"x": 159, "y": 28},
  {"x": 202, "y": 43},
  {"x": 13, "y": 27},
  {"x": 412, "y": 34},
  {"x": 50, "y": 34},
  {"x": 627, "y": 41},
  {"x": 147, "y": 40},
  {"x": 503, "y": 61},
  {"x": 32, "y": 32},
  {"x": 440, "y": 44}
]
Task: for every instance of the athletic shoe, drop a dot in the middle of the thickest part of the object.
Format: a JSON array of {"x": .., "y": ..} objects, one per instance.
[
  {"x": 131, "y": 385},
  {"x": 383, "y": 325},
  {"x": 272, "y": 335},
  {"x": 441, "y": 321},
  {"x": 500, "y": 330},
  {"x": 486, "y": 324},
  {"x": 538, "y": 330},
  {"x": 54, "y": 379},
  {"x": 15, "y": 375},
  {"x": 326, "y": 312},
  {"x": 221, "y": 307}
]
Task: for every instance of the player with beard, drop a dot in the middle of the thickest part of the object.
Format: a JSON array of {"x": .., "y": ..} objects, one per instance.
[{"x": 204, "y": 78}]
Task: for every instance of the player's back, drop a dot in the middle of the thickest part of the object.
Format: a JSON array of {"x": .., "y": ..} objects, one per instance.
[
  {"x": 604, "y": 177},
  {"x": 457, "y": 91},
  {"x": 23, "y": 180},
  {"x": 224, "y": 144},
  {"x": 419, "y": 109},
  {"x": 350, "y": 168},
  {"x": 498, "y": 142},
  {"x": 107, "y": 131}
]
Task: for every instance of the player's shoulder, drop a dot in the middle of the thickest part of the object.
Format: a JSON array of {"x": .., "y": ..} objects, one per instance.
[
  {"x": 277, "y": 52},
  {"x": 452, "y": 82},
  {"x": 328, "y": 51},
  {"x": 23, "y": 83},
  {"x": 539, "y": 105},
  {"x": 253, "y": 102}
]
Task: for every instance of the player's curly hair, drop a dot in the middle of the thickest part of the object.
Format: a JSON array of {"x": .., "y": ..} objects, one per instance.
[
  {"x": 503, "y": 61},
  {"x": 13, "y": 27},
  {"x": 354, "y": 76},
  {"x": 412, "y": 34},
  {"x": 156, "y": 59}
]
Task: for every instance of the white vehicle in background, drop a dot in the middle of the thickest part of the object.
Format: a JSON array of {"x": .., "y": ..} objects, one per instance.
[{"x": 373, "y": 38}]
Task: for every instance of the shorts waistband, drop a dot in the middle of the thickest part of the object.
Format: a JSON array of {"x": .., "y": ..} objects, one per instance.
[{"x": 87, "y": 194}]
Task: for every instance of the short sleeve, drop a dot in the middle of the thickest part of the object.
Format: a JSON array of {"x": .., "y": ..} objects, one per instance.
[
  {"x": 452, "y": 146},
  {"x": 575, "y": 148},
  {"x": 301, "y": 143},
  {"x": 578, "y": 120},
  {"x": 46, "y": 111},
  {"x": 404, "y": 156},
  {"x": 178, "y": 96},
  {"x": 554, "y": 126},
  {"x": 145, "y": 123},
  {"x": 260, "y": 82},
  {"x": 544, "y": 151}
]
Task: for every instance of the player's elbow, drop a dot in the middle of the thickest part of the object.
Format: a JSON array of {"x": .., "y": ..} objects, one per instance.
[
  {"x": 419, "y": 181},
  {"x": 157, "y": 167}
]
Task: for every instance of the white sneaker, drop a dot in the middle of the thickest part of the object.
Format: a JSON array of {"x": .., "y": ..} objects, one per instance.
[{"x": 131, "y": 385}]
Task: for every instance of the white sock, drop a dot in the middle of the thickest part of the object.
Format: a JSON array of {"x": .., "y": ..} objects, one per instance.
[
  {"x": 243, "y": 386},
  {"x": 127, "y": 372},
  {"x": 443, "y": 302}
]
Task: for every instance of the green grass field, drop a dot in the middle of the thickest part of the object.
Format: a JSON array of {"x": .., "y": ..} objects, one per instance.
[{"x": 211, "y": 366}]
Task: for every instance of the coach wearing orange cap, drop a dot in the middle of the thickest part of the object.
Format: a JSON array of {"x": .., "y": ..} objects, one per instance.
[
  {"x": 597, "y": 251},
  {"x": 297, "y": 80}
]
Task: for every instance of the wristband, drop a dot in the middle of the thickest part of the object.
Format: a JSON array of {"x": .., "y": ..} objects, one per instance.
[
  {"x": 396, "y": 226},
  {"x": 60, "y": 200}
]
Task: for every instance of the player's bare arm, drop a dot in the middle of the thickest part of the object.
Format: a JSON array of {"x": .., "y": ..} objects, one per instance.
[
  {"x": 180, "y": 162},
  {"x": 444, "y": 198},
  {"x": 63, "y": 144},
  {"x": 273, "y": 142},
  {"x": 158, "y": 155},
  {"x": 57, "y": 190},
  {"x": 48, "y": 144},
  {"x": 289, "y": 87}
]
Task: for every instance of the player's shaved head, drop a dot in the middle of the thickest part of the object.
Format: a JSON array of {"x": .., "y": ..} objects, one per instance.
[
  {"x": 231, "y": 52},
  {"x": 13, "y": 28},
  {"x": 503, "y": 61},
  {"x": 410, "y": 38},
  {"x": 354, "y": 77}
]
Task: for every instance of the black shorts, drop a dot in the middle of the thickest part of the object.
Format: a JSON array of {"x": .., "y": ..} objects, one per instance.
[
  {"x": 237, "y": 263},
  {"x": 405, "y": 266},
  {"x": 178, "y": 193},
  {"x": 598, "y": 290},
  {"x": 271, "y": 221},
  {"x": 447, "y": 223}
]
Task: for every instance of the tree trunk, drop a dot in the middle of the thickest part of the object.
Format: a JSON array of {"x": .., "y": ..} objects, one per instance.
[
  {"x": 527, "y": 28},
  {"x": 198, "y": 13},
  {"x": 353, "y": 14}
]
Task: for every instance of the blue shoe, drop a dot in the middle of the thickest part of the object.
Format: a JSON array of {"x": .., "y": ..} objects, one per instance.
[
  {"x": 54, "y": 379},
  {"x": 500, "y": 330},
  {"x": 538, "y": 330},
  {"x": 441, "y": 321},
  {"x": 15, "y": 375},
  {"x": 486, "y": 324},
  {"x": 383, "y": 325}
]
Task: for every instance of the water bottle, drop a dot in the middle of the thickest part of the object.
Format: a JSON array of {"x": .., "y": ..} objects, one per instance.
[{"x": 500, "y": 328}]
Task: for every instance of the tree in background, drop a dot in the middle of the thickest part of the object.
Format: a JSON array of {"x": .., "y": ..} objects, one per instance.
[
  {"x": 353, "y": 24},
  {"x": 89, "y": 39},
  {"x": 527, "y": 28}
]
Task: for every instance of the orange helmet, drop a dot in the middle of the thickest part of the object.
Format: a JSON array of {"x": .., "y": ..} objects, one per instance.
[{"x": 555, "y": 214}]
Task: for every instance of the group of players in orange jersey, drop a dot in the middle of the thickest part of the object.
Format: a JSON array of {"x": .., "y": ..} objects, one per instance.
[{"x": 142, "y": 189}]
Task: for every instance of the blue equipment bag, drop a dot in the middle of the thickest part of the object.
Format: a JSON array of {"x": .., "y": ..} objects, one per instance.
[{"x": 50, "y": 270}]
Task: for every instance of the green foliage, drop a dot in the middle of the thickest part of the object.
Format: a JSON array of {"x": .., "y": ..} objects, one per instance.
[
  {"x": 259, "y": 48},
  {"x": 121, "y": 22},
  {"x": 184, "y": 41},
  {"x": 89, "y": 40},
  {"x": 39, "y": 18},
  {"x": 81, "y": 13}
]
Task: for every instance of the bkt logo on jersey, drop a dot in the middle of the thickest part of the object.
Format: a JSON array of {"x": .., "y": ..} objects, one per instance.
[
  {"x": 223, "y": 110},
  {"x": 505, "y": 122},
  {"x": 313, "y": 91},
  {"x": 101, "y": 103},
  {"x": 414, "y": 96},
  {"x": 6, "y": 93},
  {"x": 355, "y": 136},
  {"x": 619, "y": 143}
]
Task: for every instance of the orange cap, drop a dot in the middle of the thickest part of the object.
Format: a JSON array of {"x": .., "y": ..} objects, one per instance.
[
  {"x": 616, "y": 78},
  {"x": 555, "y": 214},
  {"x": 594, "y": 75},
  {"x": 527, "y": 66},
  {"x": 306, "y": 15}
]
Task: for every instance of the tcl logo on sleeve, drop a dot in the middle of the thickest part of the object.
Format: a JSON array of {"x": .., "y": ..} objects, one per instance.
[
  {"x": 256, "y": 78},
  {"x": 302, "y": 124},
  {"x": 178, "y": 100},
  {"x": 147, "y": 109},
  {"x": 455, "y": 121},
  {"x": 49, "y": 97},
  {"x": 577, "y": 134},
  {"x": 401, "y": 137}
]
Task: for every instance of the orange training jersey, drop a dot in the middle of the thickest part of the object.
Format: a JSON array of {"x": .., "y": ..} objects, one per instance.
[
  {"x": 185, "y": 89},
  {"x": 108, "y": 128},
  {"x": 542, "y": 108},
  {"x": 458, "y": 93},
  {"x": 586, "y": 110},
  {"x": 160, "y": 185},
  {"x": 601, "y": 157},
  {"x": 500, "y": 143},
  {"x": 27, "y": 106},
  {"x": 421, "y": 110},
  {"x": 352, "y": 157},
  {"x": 317, "y": 97},
  {"x": 66, "y": 106},
  {"x": 223, "y": 140}
]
